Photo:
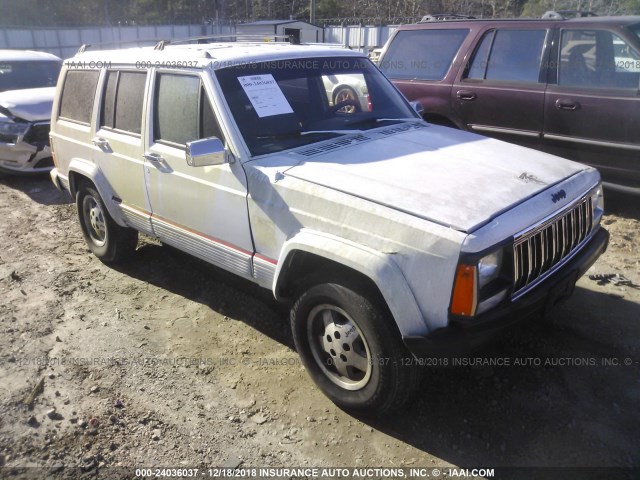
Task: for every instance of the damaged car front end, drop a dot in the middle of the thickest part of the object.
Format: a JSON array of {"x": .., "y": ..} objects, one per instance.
[{"x": 26, "y": 97}]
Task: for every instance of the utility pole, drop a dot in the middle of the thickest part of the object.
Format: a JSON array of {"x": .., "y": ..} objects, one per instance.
[
  {"x": 107, "y": 16},
  {"x": 312, "y": 14}
]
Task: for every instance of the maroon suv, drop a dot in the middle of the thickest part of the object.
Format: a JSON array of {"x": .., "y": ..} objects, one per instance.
[{"x": 568, "y": 87}]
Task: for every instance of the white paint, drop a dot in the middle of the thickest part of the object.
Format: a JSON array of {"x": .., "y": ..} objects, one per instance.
[
  {"x": 32, "y": 104},
  {"x": 452, "y": 177}
]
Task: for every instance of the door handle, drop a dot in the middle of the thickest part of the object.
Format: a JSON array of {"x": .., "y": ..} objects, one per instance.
[
  {"x": 566, "y": 104},
  {"x": 466, "y": 95},
  {"x": 101, "y": 143},
  {"x": 154, "y": 158}
]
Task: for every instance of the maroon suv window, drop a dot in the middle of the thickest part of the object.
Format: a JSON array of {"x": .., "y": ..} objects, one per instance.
[
  {"x": 422, "y": 54},
  {"x": 597, "y": 59},
  {"x": 509, "y": 55}
]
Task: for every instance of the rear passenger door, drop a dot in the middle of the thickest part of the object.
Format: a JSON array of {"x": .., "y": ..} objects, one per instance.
[
  {"x": 592, "y": 107},
  {"x": 118, "y": 145},
  {"x": 501, "y": 92},
  {"x": 201, "y": 210}
]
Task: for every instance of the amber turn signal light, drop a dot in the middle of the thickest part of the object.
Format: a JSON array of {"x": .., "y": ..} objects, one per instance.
[{"x": 465, "y": 294}]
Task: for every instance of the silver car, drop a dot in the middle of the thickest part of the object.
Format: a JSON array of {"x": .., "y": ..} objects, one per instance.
[
  {"x": 347, "y": 93},
  {"x": 27, "y": 86}
]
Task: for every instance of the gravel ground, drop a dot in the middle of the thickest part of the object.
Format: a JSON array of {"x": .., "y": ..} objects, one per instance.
[{"x": 168, "y": 362}]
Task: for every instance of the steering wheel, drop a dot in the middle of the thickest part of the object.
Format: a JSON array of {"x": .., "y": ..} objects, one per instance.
[{"x": 343, "y": 106}]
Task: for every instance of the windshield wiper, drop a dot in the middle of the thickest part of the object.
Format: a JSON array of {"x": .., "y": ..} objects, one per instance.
[
  {"x": 404, "y": 120},
  {"x": 379, "y": 120}
]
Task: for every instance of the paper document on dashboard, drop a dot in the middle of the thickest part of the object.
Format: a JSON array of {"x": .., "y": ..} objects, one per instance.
[{"x": 265, "y": 95}]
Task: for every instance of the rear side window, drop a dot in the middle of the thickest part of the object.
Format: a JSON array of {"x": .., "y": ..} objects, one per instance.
[
  {"x": 422, "y": 54},
  {"x": 182, "y": 111},
  {"x": 597, "y": 59},
  {"x": 508, "y": 55},
  {"x": 122, "y": 101},
  {"x": 78, "y": 92}
]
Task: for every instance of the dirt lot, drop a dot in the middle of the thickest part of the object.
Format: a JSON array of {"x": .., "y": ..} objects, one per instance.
[{"x": 169, "y": 362}]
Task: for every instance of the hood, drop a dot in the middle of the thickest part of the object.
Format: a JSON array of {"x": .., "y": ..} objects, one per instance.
[
  {"x": 455, "y": 178},
  {"x": 32, "y": 104}
]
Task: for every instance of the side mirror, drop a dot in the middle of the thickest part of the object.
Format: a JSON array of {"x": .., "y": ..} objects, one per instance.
[
  {"x": 205, "y": 152},
  {"x": 417, "y": 106}
]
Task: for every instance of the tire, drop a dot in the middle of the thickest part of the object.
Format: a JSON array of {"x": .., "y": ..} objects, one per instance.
[
  {"x": 107, "y": 240},
  {"x": 349, "y": 97},
  {"x": 365, "y": 371}
]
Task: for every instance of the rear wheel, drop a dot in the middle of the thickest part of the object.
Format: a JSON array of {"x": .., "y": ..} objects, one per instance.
[
  {"x": 351, "y": 349},
  {"x": 107, "y": 240}
]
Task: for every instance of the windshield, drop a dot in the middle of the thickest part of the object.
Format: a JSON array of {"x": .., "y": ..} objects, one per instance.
[
  {"x": 635, "y": 29},
  {"x": 22, "y": 75},
  {"x": 285, "y": 104}
]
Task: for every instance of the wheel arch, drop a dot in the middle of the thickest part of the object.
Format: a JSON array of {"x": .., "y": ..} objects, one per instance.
[
  {"x": 80, "y": 171},
  {"x": 439, "y": 119},
  {"x": 310, "y": 252}
]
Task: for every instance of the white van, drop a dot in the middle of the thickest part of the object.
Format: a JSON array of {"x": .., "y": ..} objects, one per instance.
[{"x": 393, "y": 239}]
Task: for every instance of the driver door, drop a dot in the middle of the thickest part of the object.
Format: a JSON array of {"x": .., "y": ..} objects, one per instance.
[{"x": 200, "y": 210}]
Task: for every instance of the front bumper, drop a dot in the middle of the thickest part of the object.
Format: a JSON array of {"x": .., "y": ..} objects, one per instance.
[
  {"x": 463, "y": 335},
  {"x": 26, "y": 154},
  {"x": 60, "y": 182}
]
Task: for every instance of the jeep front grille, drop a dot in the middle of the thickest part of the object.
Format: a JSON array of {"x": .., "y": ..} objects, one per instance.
[{"x": 538, "y": 251}]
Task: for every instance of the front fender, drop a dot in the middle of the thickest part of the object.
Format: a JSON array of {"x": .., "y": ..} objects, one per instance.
[
  {"x": 92, "y": 172},
  {"x": 381, "y": 268}
]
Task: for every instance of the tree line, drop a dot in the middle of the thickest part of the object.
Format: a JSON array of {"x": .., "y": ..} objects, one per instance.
[{"x": 148, "y": 12}]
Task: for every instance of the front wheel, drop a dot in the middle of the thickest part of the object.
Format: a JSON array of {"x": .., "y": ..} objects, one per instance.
[
  {"x": 351, "y": 349},
  {"x": 107, "y": 240}
]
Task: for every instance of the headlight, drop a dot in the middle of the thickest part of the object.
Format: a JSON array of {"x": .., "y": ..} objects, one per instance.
[
  {"x": 597, "y": 201},
  {"x": 481, "y": 286},
  {"x": 489, "y": 268},
  {"x": 7, "y": 127}
]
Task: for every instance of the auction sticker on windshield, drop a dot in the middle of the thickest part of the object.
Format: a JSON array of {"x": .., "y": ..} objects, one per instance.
[{"x": 265, "y": 95}]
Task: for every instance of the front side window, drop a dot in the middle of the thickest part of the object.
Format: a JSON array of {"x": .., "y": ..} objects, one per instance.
[
  {"x": 508, "y": 55},
  {"x": 597, "y": 59},
  {"x": 122, "y": 101},
  {"x": 78, "y": 92},
  {"x": 422, "y": 54},
  {"x": 182, "y": 111},
  {"x": 281, "y": 105}
]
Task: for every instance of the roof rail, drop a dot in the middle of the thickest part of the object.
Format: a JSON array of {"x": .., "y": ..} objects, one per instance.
[
  {"x": 435, "y": 17},
  {"x": 161, "y": 43},
  {"x": 205, "y": 39},
  {"x": 85, "y": 46},
  {"x": 566, "y": 14}
]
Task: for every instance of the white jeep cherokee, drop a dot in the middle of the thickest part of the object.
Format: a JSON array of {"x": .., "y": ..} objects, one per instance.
[
  {"x": 27, "y": 86},
  {"x": 393, "y": 238}
]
